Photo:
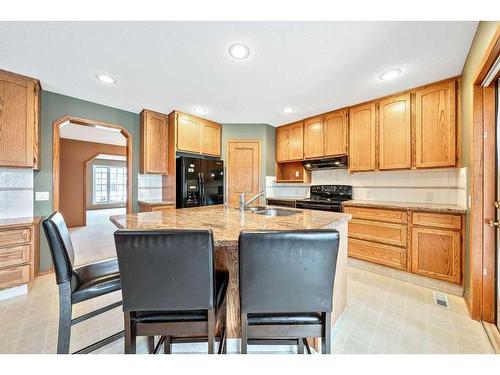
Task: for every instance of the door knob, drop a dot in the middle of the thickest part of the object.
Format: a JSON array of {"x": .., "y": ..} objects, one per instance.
[
  {"x": 497, "y": 204},
  {"x": 494, "y": 223}
]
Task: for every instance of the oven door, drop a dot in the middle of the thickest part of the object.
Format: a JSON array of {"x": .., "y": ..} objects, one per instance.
[{"x": 333, "y": 207}]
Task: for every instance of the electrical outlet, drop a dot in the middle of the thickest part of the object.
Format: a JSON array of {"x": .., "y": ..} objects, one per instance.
[
  {"x": 42, "y": 196},
  {"x": 429, "y": 196},
  {"x": 297, "y": 173}
]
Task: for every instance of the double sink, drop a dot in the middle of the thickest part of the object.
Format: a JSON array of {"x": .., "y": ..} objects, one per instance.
[{"x": 266, "y": 211}]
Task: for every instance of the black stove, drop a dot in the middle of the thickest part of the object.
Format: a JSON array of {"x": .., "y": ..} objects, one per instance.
[{"x": 326, "y": 198}]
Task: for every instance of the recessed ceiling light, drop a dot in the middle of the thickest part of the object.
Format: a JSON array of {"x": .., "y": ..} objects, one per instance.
[
  {"x": 200, "y": 110},
  {"x": 105, "y": 79},
  {"x": 239, "y": 51},
  {"x": 287, "y": 110},
  {"x": 390, "y": 74}
]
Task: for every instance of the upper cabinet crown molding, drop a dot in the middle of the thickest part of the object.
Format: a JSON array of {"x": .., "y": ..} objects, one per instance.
[
  {"x": 436, "y": 126},
  {"x": 197, "y": 135},
  {"x": 362, "y": 128},
  {"x": 154, "y": 143},
  {"x": 19, "y": 121}
]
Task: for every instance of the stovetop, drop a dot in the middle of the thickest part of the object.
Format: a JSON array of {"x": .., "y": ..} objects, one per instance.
[{"x": 329, "y": 194}]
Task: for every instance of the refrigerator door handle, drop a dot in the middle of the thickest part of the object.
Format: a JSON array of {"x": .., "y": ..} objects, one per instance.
[{"x": 202, "y": 181}]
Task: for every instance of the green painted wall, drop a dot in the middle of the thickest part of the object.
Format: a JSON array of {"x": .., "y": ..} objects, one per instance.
[
  {"x": 482, "y": 39},
  {"x": 263, "y": 132},
  {"x": 54, "y": 106}
]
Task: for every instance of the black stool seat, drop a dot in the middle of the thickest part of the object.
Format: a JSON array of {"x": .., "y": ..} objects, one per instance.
[
  {"x": 96, "y": 279},
  {"x": 221, "y": 282},
  {"x": 285, "y": 318}
]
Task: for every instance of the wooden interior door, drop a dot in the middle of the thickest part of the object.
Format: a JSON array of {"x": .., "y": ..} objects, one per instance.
[
  {"x": 243, "y": 170},
  {"x": 435, "y": 126},
  {"x": 17, "y": 117},
  {"x": 211, "y": 135},
  {"x": 395, "y": 133},
  {"x": 282, "y": 143},
  {"x": 313, "y": 137},
  {"x": 189, "y": 132},
  {"x": 335, "y": 131},
  {"x": 362, "y": 138}
]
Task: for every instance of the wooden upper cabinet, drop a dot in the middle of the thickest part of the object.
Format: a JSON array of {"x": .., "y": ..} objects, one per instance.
[
  {"x": 189, "y": 131},
  {"x": 197, "y": 135},
  {"x": 154, "y": 142},
  {"x": 210, "y": 138},
  {"x": 19, "y": 121},
  {"x": 282, "y": 143},
  {"x": 313, "y": 137},
  {"x": 290, "y": 142},
  {"x": 435, "y": 125},
  {"x": 395, "y": 133},
  {"x": 335, "y": 133},
  {"x": 362, "y": 138}
]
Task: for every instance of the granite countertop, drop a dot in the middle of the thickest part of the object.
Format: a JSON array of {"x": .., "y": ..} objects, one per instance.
[
  {"x": 427, "y": 207},
  {"x": 156, "y": 202},
  {"x": 19, "y": 221},
  {"x": 227, "y": 223},
  {"x": 286, "y": 198}
]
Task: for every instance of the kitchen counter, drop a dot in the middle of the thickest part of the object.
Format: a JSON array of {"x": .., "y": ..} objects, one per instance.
[
  {"x": 423, "y": 207},
  {"x": 20, "y": 221},
  {"x": 226, "y": 224},
  {"x": 285, "y": 198},
  {"x": 156, "y": 202}
]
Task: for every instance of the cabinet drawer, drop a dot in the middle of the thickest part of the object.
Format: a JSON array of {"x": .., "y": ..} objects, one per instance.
[
  {"x": 388, "y": 233},
  {"x": 161, "y": 208},
  {"x": 10, "y": 277},
  {"x": 15, "y": 236},
  {"x": 437, "y": 220},
  {"x": 379, "y": 214},
  {"x": 13, "y": 256},
  {"x": 385, "y": 255}
]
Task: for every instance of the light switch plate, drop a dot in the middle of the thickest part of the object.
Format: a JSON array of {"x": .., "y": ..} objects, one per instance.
[{"x": 42, "y": 196}]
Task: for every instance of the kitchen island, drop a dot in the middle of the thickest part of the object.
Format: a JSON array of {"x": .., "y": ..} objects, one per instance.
[{"x": 226, "y": 224}]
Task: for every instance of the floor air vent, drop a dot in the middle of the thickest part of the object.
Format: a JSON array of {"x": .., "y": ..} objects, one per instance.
[{"x": 441, "y": 300}]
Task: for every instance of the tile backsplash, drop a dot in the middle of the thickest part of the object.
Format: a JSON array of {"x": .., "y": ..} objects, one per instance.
[
  {"x": 446, "y": 186},
  {"x": 16, "y": 193},
  {"x": 149, "y": 186}
]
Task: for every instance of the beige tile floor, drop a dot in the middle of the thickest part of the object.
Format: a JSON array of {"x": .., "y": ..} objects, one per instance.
[{"x": 384, "y": 315}]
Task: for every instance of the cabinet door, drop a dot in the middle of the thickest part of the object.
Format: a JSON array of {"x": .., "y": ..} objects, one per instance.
[
  {"x": 313, "y": 137},
  {"x": 189, "y": 133},
  {"x": 211, "y": 139},
  {"x": 17, "y": 121},
  {"x": 154, "y": 143},
  {"x": 395, "y": 133},
  {"x": 282, "y": 143},
  {"x": 435, "y": 126},
  {"x": 335, "y": 129},
  {"x": 436, "y": 253},
  {"x": 296, "y": 143},
  {"x": 362, "y": 138}
]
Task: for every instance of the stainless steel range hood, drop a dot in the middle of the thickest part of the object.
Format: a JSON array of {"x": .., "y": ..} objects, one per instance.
[{"x": 337, "y": 162}]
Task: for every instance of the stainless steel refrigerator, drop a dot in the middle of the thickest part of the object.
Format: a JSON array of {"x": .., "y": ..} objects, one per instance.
[{"x": 200, "y": 182}]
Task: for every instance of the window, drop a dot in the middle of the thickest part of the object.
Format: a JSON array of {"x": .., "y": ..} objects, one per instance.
[{"x": 110, "y": 184}]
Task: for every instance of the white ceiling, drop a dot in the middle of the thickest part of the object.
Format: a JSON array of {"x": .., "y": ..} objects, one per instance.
[
  {"x": 312, "y": 67},
  {"x": 92, "y": 134}
]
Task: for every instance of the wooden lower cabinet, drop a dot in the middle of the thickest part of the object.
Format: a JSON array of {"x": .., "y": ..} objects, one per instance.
[
  {"x": 19, "y": 256},
  {"x": 148, "y": 207},
  {"x": 386, "y": 255},
  {"x": 424, "y": 243},
  {"x": 437, "y": 253}
]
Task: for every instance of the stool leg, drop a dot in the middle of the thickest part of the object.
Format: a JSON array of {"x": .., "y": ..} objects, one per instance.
[
  {"x": 300, "y": 346},
  {"x": 211, "y": 331},
  {"x": 65, "y": 309},
  {"x": 130, "y": 338},
  {"x": 326, "y": 340},
  {"x": 244, "y": 334},
  {"x": 151, "y": 344},
  {"x": 167, "y": 345}
]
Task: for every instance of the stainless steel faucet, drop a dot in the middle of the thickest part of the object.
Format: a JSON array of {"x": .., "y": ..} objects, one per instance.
[{"x": 244, "y": 204}]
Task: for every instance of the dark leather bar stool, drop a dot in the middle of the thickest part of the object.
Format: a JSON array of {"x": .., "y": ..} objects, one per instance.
[
  {"x": 78, "y": 284},
  {"x": 286, "y": 286},
  {"x": 170, "y": 288}
]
